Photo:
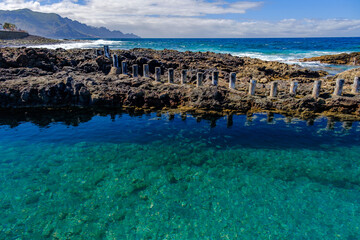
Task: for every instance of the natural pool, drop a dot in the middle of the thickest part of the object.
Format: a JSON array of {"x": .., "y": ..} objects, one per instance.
[{"x": 155, "y": 176}]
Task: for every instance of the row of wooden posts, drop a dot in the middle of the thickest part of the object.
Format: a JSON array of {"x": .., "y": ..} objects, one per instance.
[{"x": 215, "y": 78}]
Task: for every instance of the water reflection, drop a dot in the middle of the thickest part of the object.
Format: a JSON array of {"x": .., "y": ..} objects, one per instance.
[
  {"x": 255, "y": 130},
  {"x": 74, "y": 118}
]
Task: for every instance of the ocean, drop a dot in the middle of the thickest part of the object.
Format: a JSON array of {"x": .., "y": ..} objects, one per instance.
[
  {"x": 287, "y": 50},
  {"x": 178, "y": 176}
]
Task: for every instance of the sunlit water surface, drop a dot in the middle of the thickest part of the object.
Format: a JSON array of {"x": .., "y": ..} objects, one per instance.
[
  {"x": 287, "y": 50},
  {"x": 178, "y": 177}
]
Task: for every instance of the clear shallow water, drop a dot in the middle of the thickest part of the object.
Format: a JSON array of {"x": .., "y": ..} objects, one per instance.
[
  {"x": 155, "y": 177},
  {"x": 286, "y": 50}
]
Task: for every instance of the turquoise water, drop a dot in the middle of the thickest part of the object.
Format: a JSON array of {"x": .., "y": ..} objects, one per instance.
[
  {"x": 179, "y": 177},
  {"x": 287, "y": 50}
]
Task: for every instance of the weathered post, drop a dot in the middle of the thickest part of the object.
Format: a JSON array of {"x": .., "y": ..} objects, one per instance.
[
  {"x": 215, "y": 78},
  {"x": 273, "y": 89},
  {"x": 316, "y": 89},
  {"x": 98, "y": 52},
  {"x": 339, "y": 87},
  {"x": 124, "y": 67},
  {"x": 356, "y": 85},
  {"x": 171, "y": 75},
  {"x": 232, "y": 80},
  {"x": 115, "y": 68},
  {"x": 252, "y": 87},
  {"x": 183, "y": 76},
  {"x": 157, "y": 74},
  {"x": 293, "y": 87},
  {"x": 135, "y": 70},
  {"x": 115, "y": 61},
  {"x": 146, "y": 70},
  {"x": 199, "y": 79},
  {"x": 107, "y": 51}
]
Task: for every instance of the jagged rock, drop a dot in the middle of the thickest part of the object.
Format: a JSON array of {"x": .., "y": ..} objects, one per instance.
[
  {"x": 342, "y": 58},
  {"x": 67, "y": 78}
]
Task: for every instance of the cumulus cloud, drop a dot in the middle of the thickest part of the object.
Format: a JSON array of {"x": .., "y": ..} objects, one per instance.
[{"x": 185, "y": 18}]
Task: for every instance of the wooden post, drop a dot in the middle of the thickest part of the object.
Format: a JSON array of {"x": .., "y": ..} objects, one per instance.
[
  {"x": 135, "y": 70},
  {"x": 171, "y": 75},
  {"x": 199, "y": 79},
  {"x": 339, "y": 87},
  {"x": 183, "y": 76},
  {"x": 115, "y": 61},
  {"x": 293, "y": 87},
  {"x": 252, "y": 87},
  {"x": 157, "y": 74},
  {"x": 273, "y": 89},
  {"x": 107, "y": 51},
  {"x": 232, "y": 80},
  {"x": 146, "y": 70},
  {"x": 215, "y": 78},
  {"x": 316, "y": 89},
  {"x": 124, "y": 67},
  {"x": 356, "y": 85}
]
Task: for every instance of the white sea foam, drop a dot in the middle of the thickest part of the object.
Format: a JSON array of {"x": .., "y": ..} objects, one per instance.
[
  {"x": 82, "y": 44},
  {"x": 287, "y": 56}
]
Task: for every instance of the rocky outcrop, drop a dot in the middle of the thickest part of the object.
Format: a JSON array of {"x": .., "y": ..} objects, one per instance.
[
  {"x": 13, "y": 34},
  {"x": 42, "y": 78},
  {"x": 30, "y": 40},
  {"x": 341, "y": 59}
]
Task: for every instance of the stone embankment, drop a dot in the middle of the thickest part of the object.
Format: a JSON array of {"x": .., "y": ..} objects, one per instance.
[{"x": 43, "y": 78}]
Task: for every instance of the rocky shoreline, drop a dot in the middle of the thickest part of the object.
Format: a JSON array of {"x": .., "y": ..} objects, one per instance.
[
  {"x": 339, "y": 59},
  {"x": 30, "y": 40},
  {"x": 64, "y": 79}
]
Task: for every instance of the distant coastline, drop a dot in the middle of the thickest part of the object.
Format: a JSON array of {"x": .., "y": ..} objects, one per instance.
[{"x": 32, "y": 40}]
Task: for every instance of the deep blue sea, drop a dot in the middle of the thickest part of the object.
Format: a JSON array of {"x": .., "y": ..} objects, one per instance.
[
  {"x": 287, "y": 50},
  {"x": 152, "y": 176}
]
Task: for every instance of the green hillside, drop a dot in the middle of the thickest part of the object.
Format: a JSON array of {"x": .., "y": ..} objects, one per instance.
[{"x": 54, "y": 26}]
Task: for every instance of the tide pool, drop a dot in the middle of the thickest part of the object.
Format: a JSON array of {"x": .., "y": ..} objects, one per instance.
[{"x": 180, "y": 177}]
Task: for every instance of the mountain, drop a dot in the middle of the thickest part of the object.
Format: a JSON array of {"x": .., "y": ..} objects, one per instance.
[{"x": 52, "y": 25}]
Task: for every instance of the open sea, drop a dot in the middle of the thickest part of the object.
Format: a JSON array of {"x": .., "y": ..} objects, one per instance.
[
  {"x": 287, "y": 50},
  {"x": 153, "y": 176}
]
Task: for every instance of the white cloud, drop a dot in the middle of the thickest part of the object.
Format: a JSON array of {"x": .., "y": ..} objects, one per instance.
[{"x": 186, "y": 18}]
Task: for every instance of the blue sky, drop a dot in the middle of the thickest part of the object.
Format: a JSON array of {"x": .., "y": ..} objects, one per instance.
[
  {"x": 209, "y": 18},
  {"x": 280, "y": 9}
]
